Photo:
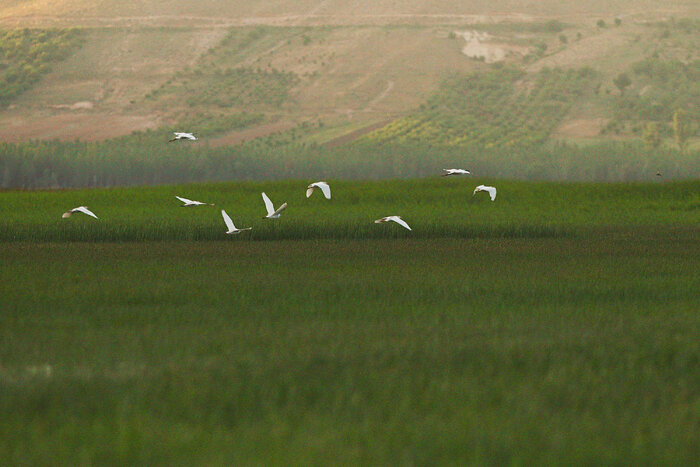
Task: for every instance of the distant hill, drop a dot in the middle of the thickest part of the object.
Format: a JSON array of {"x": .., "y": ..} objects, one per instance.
[
  {"x": 235, "y": 72},
  {"x": 290, "y": 12}
]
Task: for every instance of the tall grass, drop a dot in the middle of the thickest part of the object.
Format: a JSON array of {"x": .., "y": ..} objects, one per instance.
[
  {"x": 435, "y": 207},
  {"x": 430, "y": 351},
  {"x": 147, "y": 159}
]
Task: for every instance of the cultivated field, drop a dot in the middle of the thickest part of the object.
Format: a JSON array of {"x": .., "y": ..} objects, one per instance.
[
  {"x": 558, "y": 324},
  {"x": 524, "y": 345},
  {"x": 436, "y": 208}
]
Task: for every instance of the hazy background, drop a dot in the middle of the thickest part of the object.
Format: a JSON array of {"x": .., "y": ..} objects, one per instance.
[{"x": 90, "y": 90}]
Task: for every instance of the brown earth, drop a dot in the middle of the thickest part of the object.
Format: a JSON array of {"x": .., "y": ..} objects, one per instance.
[{"x": 67, "y": 127}]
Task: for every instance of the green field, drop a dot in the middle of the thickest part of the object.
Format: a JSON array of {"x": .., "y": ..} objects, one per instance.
[
  {"x": 556, "y": 325},
  {"x": 435, "y": 207}
]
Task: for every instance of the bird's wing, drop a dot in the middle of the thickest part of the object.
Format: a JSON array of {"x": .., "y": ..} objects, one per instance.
[
  {"x": 280, "y": 209},
  {"x": 310, "y": 189},
  {"x": 325, "y": 188},
  {"x": 184, "y": 200},
  {"x": 492, "y": 192},
  {"x": 268, "y": 204},
  {"x": 400, "y": 221},
  {"x": 228, "y": 221},
  {"x": 477, "y": 189},
  {"x": 85, "y": 210}
]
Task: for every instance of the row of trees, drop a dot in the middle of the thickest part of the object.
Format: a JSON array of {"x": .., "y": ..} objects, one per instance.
[
  {"x": 146, "y": 159},
  {"x": 501, "y": 107}
]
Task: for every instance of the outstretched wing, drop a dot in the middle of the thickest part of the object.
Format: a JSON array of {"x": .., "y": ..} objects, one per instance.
[
  {"x": 85, "y": 210},
  {"x": 228, "y": 221},
  {"x": 268, "y": 204},
  {"x": 280, "y": 209},
  {"x": 325, "y": 188},
  {"x": 184, "y": 200},
  {"x": 492, "y": 192},
  {"x": 310, "y": 189},
  {"x": 400, "y": 221}
]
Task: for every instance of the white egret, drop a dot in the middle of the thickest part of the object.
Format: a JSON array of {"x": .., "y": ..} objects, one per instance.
[
  {"x": 396, "y": 219},
  {"x": 271, "y": 213},
  {"x": 325, "y": 188},
  {"x": 455, "y": 172},
  {"x": 180, "y": 136},
  {"x": 229, "y": 224},
  {"x": 189, "y": 202},
  {"x": 491, "y": 191},
  {"x": 83, "y": 209}
]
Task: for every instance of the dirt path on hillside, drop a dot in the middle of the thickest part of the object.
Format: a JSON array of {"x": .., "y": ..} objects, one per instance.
[
  {"x": 380, "y": 97},
  {"x": 310, "y": 19}
]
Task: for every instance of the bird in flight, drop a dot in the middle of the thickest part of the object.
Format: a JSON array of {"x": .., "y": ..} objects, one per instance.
[
  {"x": 83, "y": 209},
  {"x": 396, "y": 219},
  {"x": 325, "y": 188},
  {"x": 189, "y": 202},
  {"x": 229, "y": 224},
  {"x": 271, "y": 213},
  {"x": 180, "y": 136},
  {"x": 491, "y": 191},
  {"x": 455, "y": 172},
  {"x": 658, "y": 173}
]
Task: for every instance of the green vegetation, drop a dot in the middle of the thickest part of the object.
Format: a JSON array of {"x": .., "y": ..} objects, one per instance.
[
  {"x": 500, "y": 107},
  {"x": 122, "y": 162},
  {"x": 435, "y": 207},
  {"x": 507, "y": 349},
  {"x": 622, "y": 81},
  {"x": 26, "y": 55},
  {"x": 663, "y": 87},
  {"x": 219, "y": 82},
  {"x": 232, "y": 87}
]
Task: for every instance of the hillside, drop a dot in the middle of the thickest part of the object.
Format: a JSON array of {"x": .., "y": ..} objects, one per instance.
[
  {"x": 288, "y": 12},
  {"x": 415, "y": 75}
]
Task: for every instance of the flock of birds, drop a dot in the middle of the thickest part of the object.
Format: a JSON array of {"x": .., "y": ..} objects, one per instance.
[{"x": 273, "y": 213}]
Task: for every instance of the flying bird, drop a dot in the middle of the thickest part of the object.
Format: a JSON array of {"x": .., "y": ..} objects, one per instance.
[
  {"x": 455, "y": 172},
  {"x": 325, "y": 188},
  {"x": 189, "y": 202},
  {"x": 658, "y": 173},
  {"x": 271, "y": 213},
  {"x": 396, "y": 219},
  {"x": 83, "y": 209},
  {"x": 180, "y": 136},
  {"x": 229, "y": 224},
  {"x": 491, "y": 191}
]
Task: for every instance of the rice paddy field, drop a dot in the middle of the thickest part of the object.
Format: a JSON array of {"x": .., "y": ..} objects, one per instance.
[{"x": 559, "y": 324}]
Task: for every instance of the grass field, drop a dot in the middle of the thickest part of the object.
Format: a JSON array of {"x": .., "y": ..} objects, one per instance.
[
  {"x": 572, "y": 345},
  {"x": 435, "y": 207}
]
